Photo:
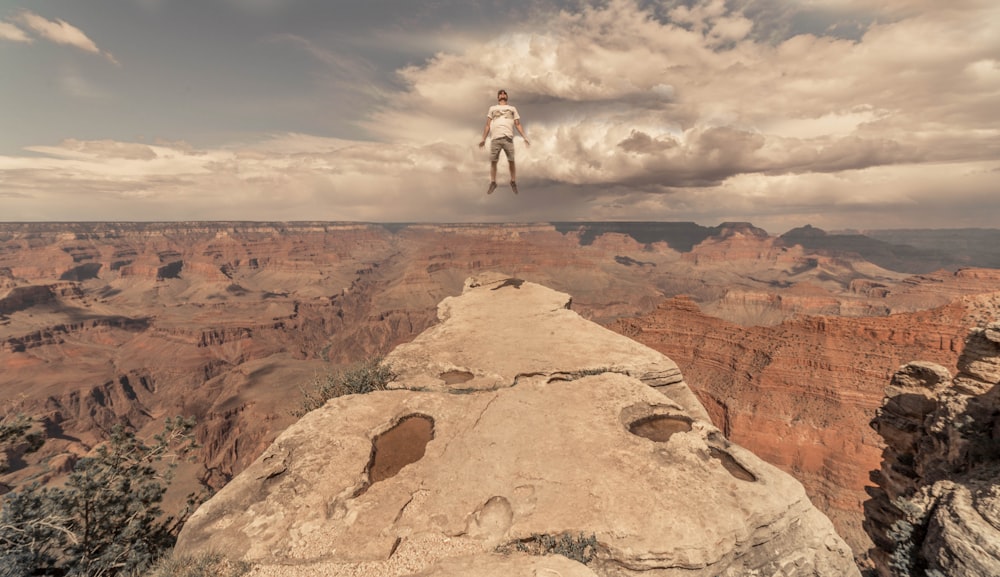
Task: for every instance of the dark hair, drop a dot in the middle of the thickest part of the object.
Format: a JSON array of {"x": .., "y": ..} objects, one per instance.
[{"x": 501, "y": 91}]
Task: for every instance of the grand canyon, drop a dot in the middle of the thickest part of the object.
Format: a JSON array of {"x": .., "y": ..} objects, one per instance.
[{"x": 789, "y": 341}]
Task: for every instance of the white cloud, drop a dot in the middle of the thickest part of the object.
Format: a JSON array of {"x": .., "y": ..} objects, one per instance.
[
  {"x": 60, "y": 32},
  {"x": 592, "y": 78},
  {"x": 11, "y": 32},
  {"x": 285, "y": 176},
  {"x": 836, "y": 123},
  {"x": 57, "y": 31}
]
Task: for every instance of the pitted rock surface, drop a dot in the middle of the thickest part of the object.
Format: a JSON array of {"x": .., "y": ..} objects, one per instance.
[{"x": 555, "y": 434}]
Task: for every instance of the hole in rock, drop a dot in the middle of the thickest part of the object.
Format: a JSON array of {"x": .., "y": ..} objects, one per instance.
[
  {"x": 396, "y": 448},
  {"x": 659, "y": 428},
  {"x": 456, "y": 377},
  {"x": 732, "y": 465}
]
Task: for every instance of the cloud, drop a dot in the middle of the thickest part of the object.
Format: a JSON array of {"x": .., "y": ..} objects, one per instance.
[
  {"x": 60, "y": 32},
  {"x": 274, "y": 177},
  {"x": 601, "y": 86},
  {"x": 709, "y": 112},
  {"x": 11, "y": 32}
]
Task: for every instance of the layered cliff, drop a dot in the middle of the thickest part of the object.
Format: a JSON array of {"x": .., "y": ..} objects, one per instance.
[
  {"x": 801, "y": 393},
  {"x": 103, "y": 323},
  {"x": 510, "y": 424},
  {"x": 218, "y": 321},
  {"x": 221, "y": 320},
  {"x": 936, "y": 509}
]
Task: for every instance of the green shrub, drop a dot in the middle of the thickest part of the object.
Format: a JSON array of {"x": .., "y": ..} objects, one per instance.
[
  {"x": 106, "y": 520},
  {"x": 370, "y": 375}
]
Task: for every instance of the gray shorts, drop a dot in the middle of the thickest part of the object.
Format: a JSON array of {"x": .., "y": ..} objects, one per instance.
[{"x": 504, "y": 142}]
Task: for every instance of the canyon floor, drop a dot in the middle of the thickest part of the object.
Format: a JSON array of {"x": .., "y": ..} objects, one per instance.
[{"x": 789, "y": 341}]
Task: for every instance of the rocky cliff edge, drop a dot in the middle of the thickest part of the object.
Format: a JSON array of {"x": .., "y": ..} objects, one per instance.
[{"x": 513, "y": 425}]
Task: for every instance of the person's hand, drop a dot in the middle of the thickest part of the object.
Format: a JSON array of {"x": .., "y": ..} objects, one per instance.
[
  {"x": 527, "y": 143},
  {"x": 482, "y": 143}
]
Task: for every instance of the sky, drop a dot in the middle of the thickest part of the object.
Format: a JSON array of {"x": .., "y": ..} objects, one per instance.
[{"x": 842, "y": 114}]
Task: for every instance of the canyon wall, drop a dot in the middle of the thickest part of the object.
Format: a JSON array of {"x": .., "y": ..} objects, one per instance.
[
  {"x": 787, "y": 345},
  {"x": 223, "y": 322}
]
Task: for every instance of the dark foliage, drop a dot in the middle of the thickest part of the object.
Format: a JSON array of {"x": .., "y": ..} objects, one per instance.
[{"x": 106, "y": 520}]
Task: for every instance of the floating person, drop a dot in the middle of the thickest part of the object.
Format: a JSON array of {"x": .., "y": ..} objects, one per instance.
[{"x": 501, "y": 120}]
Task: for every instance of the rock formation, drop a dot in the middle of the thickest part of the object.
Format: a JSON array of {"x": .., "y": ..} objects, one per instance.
[
  {"x": 800, "y": 394},
  {"x": 102, "y": 323},
  {"x": 936, "y": 510},
  {"x": 510, "y": 421}
]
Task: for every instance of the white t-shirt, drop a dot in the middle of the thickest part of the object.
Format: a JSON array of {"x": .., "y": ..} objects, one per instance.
[{"x": 502, "y": 118}]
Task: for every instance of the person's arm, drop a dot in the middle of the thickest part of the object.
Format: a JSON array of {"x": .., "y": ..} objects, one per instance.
[
  {"x": 486, "y": 131},
  {"x": 520, "y": 130}
]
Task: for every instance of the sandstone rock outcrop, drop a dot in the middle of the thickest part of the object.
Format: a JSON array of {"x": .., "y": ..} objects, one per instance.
[
  {"x": 512, "y": 420},
  {"x": 937, "y": 504}
]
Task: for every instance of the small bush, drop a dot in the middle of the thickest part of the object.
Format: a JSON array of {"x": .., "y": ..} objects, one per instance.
[
  {"x": 203, "y": 565},
  {"x": 365, "y": 377},
  {"x": 580, "y": 548}
]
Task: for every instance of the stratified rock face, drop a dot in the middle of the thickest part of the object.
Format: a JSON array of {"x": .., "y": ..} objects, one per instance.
[
  {"x": 103, "y": 324},
  {"x": 132, "y": 322},
  {"x": 937, "y": 504},
  {"x": 513, "y": 419},
  {"x": 800, "y": 394}
]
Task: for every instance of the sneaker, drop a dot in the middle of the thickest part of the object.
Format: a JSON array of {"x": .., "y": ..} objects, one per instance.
[
  {"x": 513, "y": 186},
  {"x": 493, "y": 186}
]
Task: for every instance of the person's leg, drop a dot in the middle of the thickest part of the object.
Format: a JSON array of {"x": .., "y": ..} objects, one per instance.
[
  {"x": 513, "y": 176},
  {"x": 494, "y": 158},
  {"x": 509, "y": 151}
]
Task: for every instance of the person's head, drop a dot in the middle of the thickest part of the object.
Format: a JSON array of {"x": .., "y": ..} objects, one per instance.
[{"x": 502, "y": 95}]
